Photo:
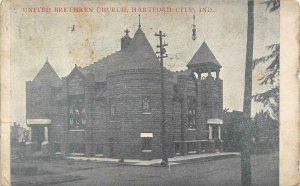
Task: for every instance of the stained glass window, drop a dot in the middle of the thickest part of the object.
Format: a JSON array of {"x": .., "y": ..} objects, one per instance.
[
  {"x": 146, "y": 105},
  {"x": 76, "y": 113}
]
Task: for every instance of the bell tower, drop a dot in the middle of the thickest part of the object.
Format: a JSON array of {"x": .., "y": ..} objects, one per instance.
[
  {"x": 204, "y": 61},
  {"x": 210, "y": 94}
]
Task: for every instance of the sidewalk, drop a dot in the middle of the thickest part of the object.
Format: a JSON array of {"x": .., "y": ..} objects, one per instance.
[{"x": 172, "y": 161}]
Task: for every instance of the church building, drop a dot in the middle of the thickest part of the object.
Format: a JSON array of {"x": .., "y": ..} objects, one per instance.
[{"x": 113, "y": 107}]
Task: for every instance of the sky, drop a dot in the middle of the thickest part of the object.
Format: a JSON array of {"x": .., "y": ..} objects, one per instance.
[{"x": 36, "y": 36}]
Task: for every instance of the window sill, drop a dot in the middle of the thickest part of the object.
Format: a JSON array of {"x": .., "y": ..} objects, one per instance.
[
  {"x": 76, "y": 130},
  {"x": 146, "y": 150},
  {"x": 191, "y": 129},
  {"x": 146, "y": 113},
  {"x": 77, "y": 154},
  {"x": 114, "y": 120},
  {"x": 99, "y": 155},
  {"x": 58, "y": 153}
]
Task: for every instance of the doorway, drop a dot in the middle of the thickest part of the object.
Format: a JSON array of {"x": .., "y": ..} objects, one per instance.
[
  {"x": 177, "y": 148},
  {"x": 38, "y": 136}
]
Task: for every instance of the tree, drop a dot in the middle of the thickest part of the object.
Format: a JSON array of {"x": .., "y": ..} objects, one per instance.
[
  {"x": 265, "y": 132},
  {"x": 272, "y": 5},
  {"x": 270, "y": 97}
]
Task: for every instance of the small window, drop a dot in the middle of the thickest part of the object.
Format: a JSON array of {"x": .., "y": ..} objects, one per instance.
[
  {"x": 177, "y": 148},
  {"x": 146, "y": 107},
  {"x": 146, "y": 142},
  {"x": 99, "y": 149},
  {"x": 113, "y": 108},
  {"x": 191, "y": 113},
  {"x": 191, "y": 147},
  {"x": 77, "y": 148},
  {"x": 56, "y": 148}
]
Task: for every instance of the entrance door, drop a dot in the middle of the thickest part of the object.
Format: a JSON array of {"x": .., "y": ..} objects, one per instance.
[
  {"x": 38, "y": 136},
  {"x": 215, "y": 132}
]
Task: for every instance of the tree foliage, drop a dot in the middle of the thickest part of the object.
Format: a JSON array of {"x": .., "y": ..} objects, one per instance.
[
  {"x": 272, "y": 5},
  {"x": 272, "y": 71},
  {"x": 266, "y": 132},
  {"x": 270, "y": 98}
]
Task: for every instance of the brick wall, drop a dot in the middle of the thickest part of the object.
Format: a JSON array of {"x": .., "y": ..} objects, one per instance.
[{"x": 120, "y": 135}]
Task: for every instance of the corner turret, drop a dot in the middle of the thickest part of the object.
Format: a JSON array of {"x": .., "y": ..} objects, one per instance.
[{"x": 125, "y": 41}]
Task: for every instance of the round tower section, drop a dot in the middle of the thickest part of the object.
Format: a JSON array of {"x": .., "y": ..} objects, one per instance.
[{"x": 134, "y": 102}]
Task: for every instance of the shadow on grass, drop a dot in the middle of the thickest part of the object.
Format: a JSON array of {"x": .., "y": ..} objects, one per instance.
[{"x": 28, "y": 171}]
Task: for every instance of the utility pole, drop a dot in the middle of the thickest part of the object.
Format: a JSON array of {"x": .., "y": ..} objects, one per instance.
[
  {"x": 161, "y": 56},
  {"x": 245, "y": 150}
]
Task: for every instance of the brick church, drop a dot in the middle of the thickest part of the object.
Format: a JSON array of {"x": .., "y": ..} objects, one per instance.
[{"x": 112, "y": 108}]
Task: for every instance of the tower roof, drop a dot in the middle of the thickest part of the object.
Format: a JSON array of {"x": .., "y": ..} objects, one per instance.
[
  {"x": 203, "y": 56},
  {"x": 138, "y": 55},
  {"x": 47, "y": 73}
]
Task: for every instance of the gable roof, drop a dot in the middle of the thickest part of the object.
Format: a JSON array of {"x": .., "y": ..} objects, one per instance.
[
  {"x": 48, "y": 74},
  {"x": 78, "y": 70},
  {"x": 203, "y": 56}
]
